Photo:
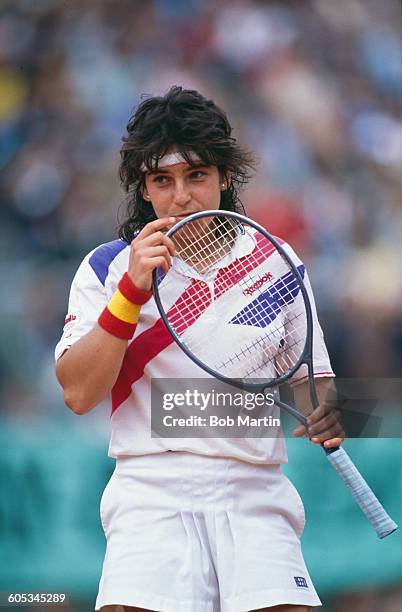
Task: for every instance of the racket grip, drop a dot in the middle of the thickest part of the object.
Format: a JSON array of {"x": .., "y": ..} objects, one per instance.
[{"x": 363, "y": 495}]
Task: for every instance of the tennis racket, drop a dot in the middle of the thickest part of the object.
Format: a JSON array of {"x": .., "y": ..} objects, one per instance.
[{"x": 240, "y": 275}]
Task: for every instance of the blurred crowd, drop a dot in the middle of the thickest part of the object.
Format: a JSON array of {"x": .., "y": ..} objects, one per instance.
[{"x": 312, "y": 86}]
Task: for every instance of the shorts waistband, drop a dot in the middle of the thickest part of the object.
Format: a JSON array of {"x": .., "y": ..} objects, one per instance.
[{"x": 201, "y": 479}]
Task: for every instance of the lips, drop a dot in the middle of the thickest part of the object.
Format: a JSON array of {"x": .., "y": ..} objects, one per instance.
[{"x": 184, "y": 215}]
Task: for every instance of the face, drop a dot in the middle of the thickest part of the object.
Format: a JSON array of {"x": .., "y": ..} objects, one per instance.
[{"x": 179, "y": 190}]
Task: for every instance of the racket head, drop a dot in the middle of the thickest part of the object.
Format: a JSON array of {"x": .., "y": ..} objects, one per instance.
[{"x": 242, "y": 312}]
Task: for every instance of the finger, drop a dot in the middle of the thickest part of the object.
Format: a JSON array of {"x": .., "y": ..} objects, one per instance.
[
  {"x": 143, "y": 279},
  {"x": 152, "y": 253},
  {"x": 156, "y": 238},
  {"x": 161, "y": 238},
  {"x": 300, "y": 431},
  {"x": 326, "y": 423},
  {"x": 333, "y": 442},
  {"x": 170, "y": 245},
  {"x": 328, "y": 435},
  {"x": 320, "y": 412},
  {"x": 159, "y": 262},
  {"x": 155, "y": 226}
]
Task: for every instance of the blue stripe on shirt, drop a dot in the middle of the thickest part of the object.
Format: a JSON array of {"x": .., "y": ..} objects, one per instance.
[
  {"x": 101, "y": 259},
  {"x": 262, "y": 311}
]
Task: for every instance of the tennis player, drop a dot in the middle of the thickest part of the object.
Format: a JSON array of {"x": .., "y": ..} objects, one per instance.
[{"x": 192, "y": 525}]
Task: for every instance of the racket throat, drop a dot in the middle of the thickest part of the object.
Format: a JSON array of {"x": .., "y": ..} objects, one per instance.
[{"x": 295, "y": 413}]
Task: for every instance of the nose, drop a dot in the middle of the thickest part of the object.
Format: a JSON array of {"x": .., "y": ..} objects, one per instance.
[{"x": 181, "y": 194}]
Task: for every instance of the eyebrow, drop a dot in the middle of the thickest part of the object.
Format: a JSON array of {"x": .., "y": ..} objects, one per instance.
[{"x": 190, "y": 169}]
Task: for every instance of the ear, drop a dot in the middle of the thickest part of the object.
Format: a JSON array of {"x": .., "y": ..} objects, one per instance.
[
  {"x": 146, "y": 195},
  {"x": 224, "y": 181}
]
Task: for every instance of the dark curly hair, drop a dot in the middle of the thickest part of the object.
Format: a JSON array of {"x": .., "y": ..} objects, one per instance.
[{"x": 187, "y": 121}]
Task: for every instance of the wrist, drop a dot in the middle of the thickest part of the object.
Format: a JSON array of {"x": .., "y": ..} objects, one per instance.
[
  {"x": 131, "y": 292},
  {"x": 121, "y": 315}
]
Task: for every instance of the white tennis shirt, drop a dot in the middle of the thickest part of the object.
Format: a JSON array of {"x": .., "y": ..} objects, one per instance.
[{"x": 152, "y": 353}]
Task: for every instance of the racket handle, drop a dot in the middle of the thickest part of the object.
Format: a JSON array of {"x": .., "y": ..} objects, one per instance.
[{"x": 363, "y": 495}]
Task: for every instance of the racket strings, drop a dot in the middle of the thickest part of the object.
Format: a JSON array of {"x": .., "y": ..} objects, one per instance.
[
  {"x": 285, "y": 358},
  {"x": 296, "y": 323},
  {"x": 199, "y": 296},
  {"x": 293, "y": 337},
  {"x": 203, "y": 243},
  {"x": 252, "y": 299},
  {"x": 293, "y": 340},
  {"x": 190, "y": 306}
]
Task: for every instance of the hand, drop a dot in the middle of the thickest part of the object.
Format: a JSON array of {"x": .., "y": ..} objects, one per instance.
[
  {"x": 149, "y": 250},
  {"x": 323, "y": 423},
  {"x": 323, "y": 427}
]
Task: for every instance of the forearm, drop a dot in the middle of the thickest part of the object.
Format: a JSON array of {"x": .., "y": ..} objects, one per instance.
[
  {"x": 88, "y": 370},
  {"x": 325, "y": 388}
]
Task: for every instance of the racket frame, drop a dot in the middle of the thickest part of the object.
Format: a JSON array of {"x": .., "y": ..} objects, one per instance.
[{"x": 306, "y": 356}]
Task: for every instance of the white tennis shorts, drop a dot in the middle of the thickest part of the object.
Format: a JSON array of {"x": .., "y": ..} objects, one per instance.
[{"x": 190, "y": 533}]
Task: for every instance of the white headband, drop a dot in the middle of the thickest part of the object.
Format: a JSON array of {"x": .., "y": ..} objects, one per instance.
[{"x": 170, "y": 159}]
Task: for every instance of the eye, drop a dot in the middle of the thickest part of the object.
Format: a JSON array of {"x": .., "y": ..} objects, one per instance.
[
  {"x": 159, "y": 179},
  {"x": 197, "y": 174}
]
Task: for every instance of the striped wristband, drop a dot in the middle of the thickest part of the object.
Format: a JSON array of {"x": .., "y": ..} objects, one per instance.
[{"x": 121, "y": 315}]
